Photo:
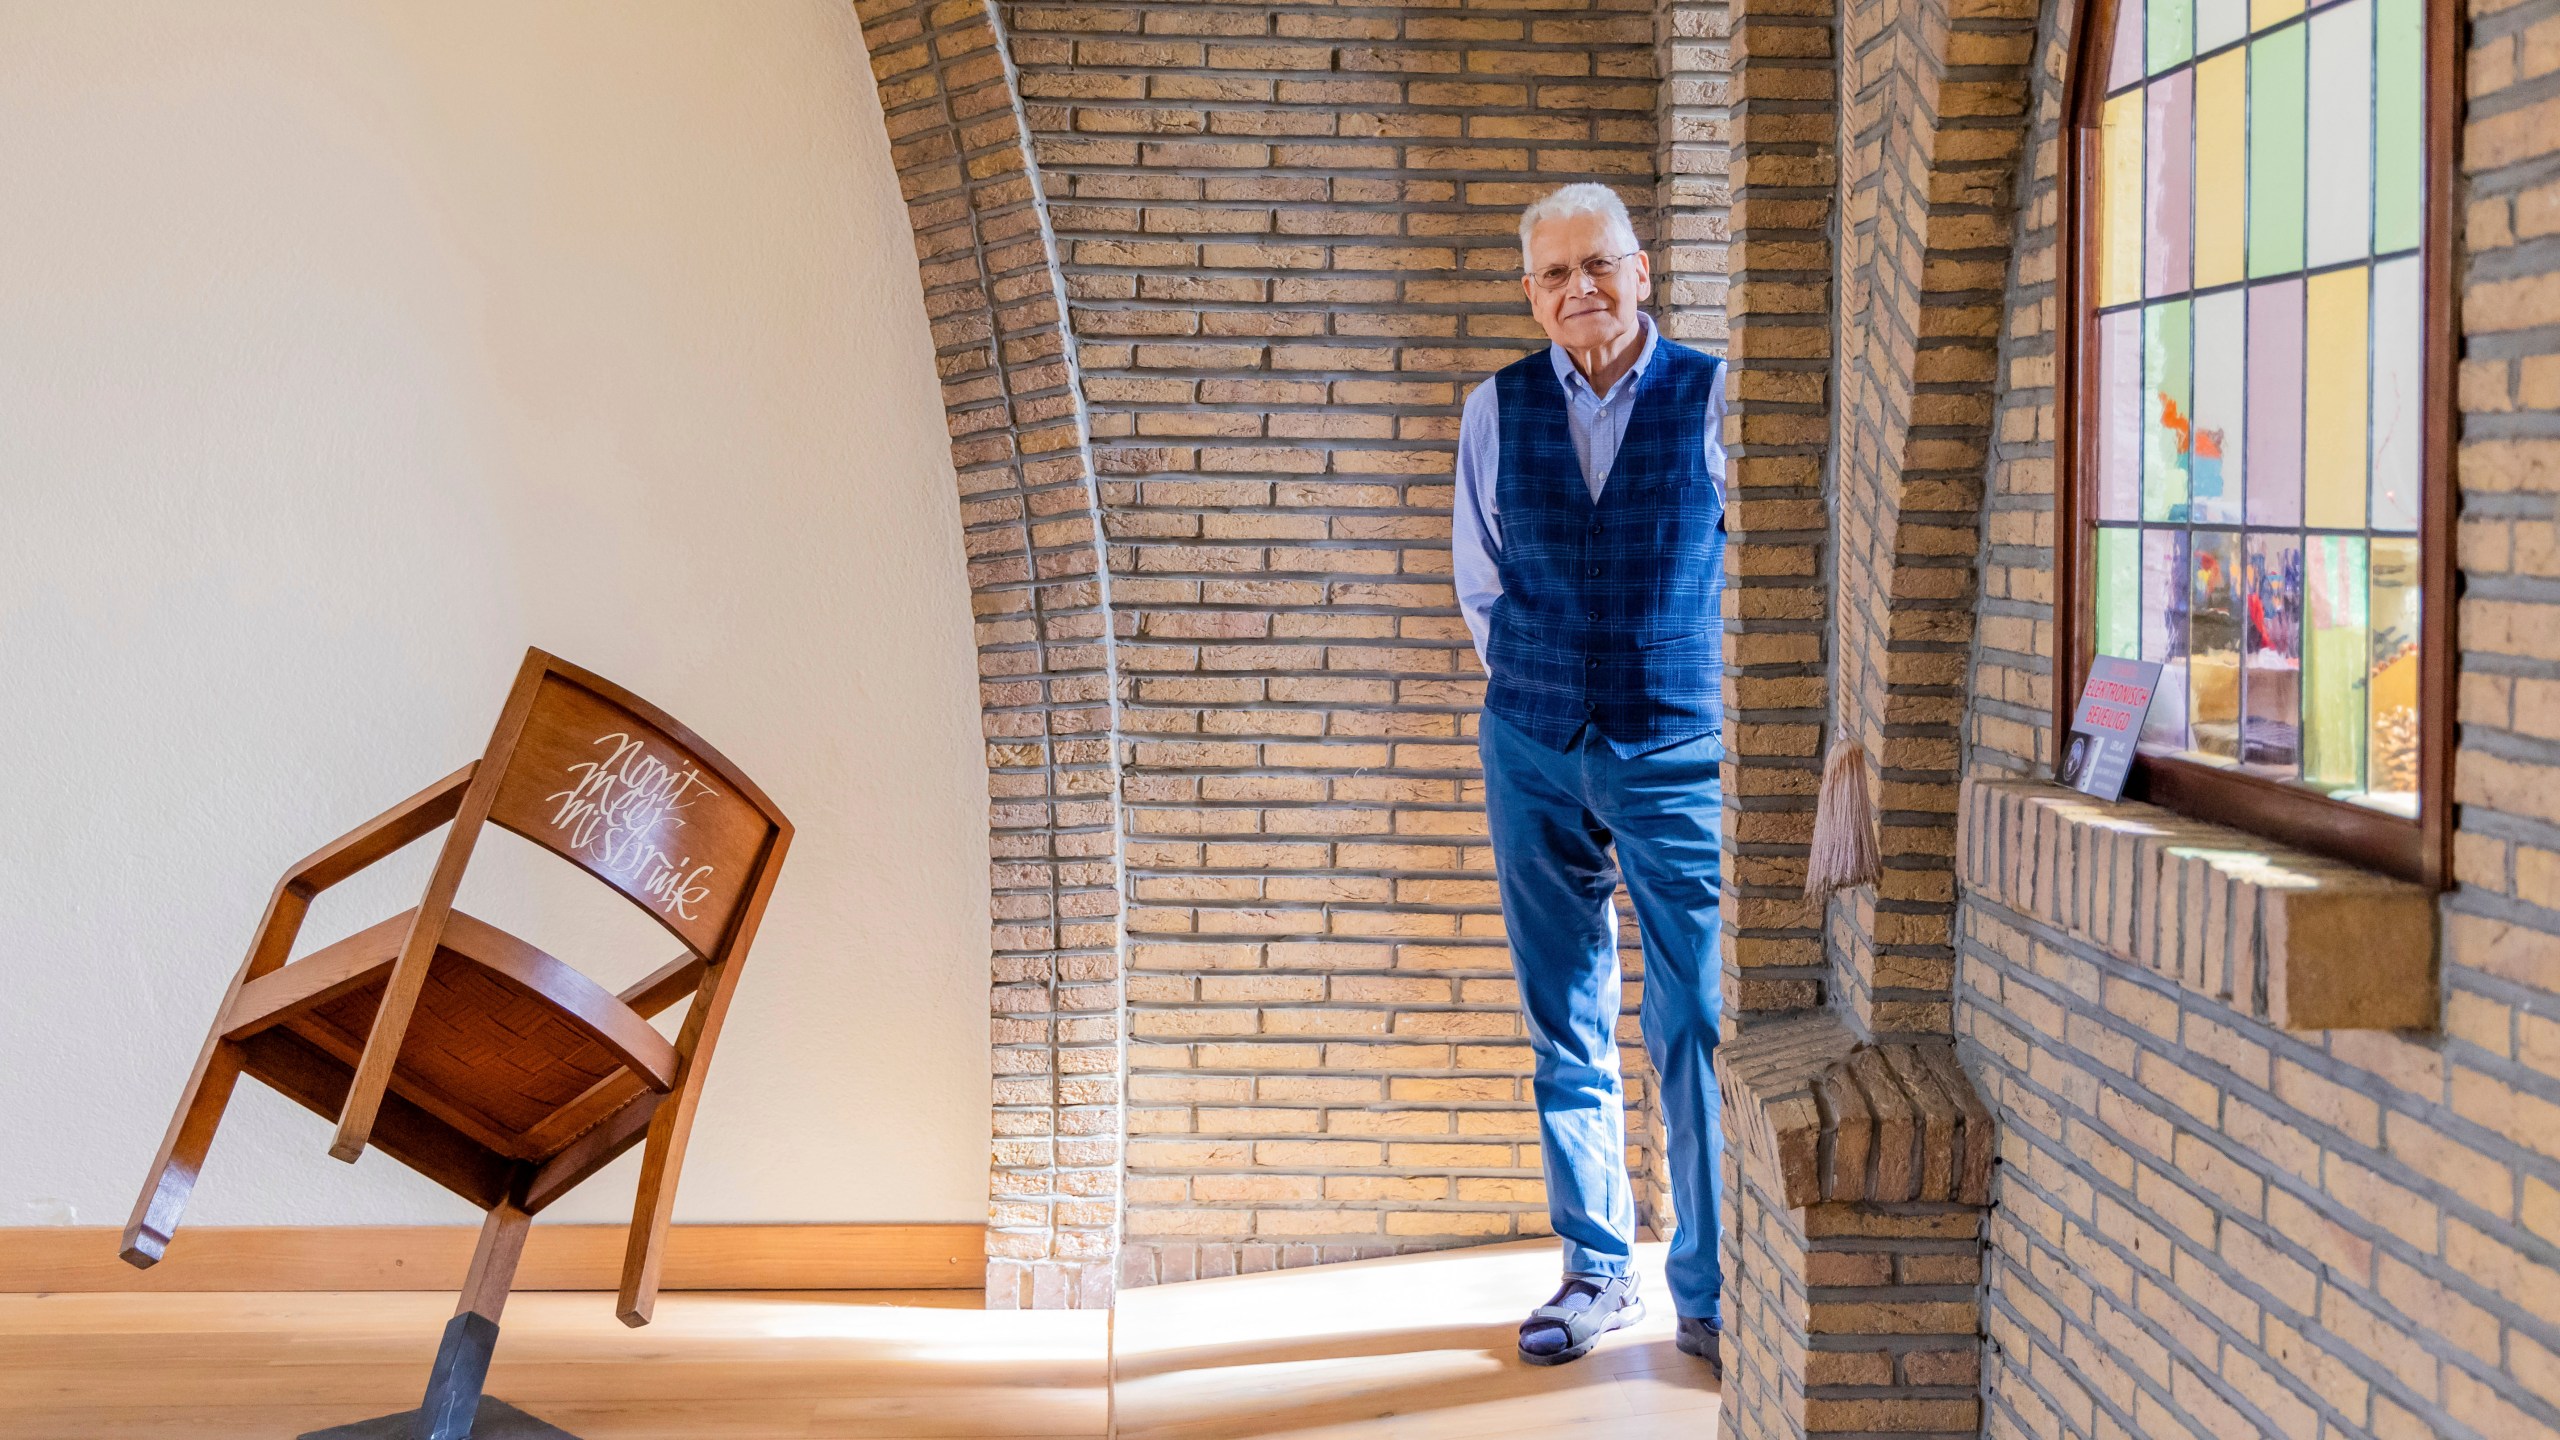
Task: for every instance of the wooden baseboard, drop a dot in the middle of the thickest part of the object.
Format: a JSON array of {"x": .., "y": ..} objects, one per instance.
[{"x": 558, "y": 1257}]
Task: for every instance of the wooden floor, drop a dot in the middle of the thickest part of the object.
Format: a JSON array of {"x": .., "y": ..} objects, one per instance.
[
  {"x": 711, "y": 1367},
  {"x": 1418, "y": 1347}
]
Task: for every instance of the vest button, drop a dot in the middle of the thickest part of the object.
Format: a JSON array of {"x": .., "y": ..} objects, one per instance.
[
  {"x": 1592, "y": 664},
  {"x": 1595, "y": 614},
  {"x": 1592, "y": 572}
]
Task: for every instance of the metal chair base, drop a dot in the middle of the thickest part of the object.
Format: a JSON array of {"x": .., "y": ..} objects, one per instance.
[
  {"x": 454, "y": 1409},
  {"x": 497, "y": 1420}
]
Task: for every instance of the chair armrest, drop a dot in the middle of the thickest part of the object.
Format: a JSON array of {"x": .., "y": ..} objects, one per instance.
[
  {"x": 382, "y": 835},
  {"x": 665, "y": 986}
]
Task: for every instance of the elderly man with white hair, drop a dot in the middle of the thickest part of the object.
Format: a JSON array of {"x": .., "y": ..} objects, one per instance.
[{"x": 1589, "y": 539}]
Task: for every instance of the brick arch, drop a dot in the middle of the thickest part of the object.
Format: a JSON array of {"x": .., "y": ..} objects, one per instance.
[{"x": 1040, "y": 595}]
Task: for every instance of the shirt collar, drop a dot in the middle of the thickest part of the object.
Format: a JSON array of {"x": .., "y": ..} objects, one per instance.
[{"x": 1575, "y": 385}]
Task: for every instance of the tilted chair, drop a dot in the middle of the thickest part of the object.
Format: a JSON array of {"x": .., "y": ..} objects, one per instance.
[{"x": 469, "y": 1055}]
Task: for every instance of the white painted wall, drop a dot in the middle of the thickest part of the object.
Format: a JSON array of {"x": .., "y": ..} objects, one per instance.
[{"x": 345, "y": 350}]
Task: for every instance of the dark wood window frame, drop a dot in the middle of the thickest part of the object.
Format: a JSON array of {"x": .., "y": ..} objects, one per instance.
[{"x": 2413, "y": 849}]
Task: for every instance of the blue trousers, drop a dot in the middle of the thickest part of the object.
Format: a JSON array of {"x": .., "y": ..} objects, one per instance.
[{"x": 1555, "y": 815}]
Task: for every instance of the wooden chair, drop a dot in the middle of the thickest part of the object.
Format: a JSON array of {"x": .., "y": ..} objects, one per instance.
[{"x": 471, "y": 1056}]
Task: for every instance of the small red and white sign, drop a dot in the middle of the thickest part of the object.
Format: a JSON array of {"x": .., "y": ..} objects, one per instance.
[{"x": 2098, "y": 753}]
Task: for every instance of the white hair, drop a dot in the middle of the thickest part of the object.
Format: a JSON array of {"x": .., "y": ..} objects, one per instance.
[{"x": 1583, "y": 199}]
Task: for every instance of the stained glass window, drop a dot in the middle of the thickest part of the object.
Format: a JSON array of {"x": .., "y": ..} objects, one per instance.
[{"x": 2259, "y": 200}]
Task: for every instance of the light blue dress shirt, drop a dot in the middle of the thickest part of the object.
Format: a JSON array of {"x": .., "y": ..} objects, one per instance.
[{"x": 1598, "y": 424}]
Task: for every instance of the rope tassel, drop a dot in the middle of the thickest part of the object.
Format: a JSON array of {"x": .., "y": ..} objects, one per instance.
[{"x": 1845, "y": 853}]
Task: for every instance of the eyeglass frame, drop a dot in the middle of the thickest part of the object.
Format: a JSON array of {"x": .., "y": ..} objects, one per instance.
[{"x": 1538, "y": 277}]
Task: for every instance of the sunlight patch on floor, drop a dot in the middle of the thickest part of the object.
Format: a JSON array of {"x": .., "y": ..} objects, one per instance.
[{"x": 1418, "y": 1348}]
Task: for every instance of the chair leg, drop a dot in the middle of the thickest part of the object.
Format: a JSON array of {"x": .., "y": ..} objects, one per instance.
[
  {"x": 471, "y": 1337},
  {"x": 173, "y": 1174}
]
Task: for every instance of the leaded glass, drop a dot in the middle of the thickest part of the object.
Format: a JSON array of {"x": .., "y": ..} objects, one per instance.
[
  {"x": 2261, "y": 400},
  {"x": 2218, "y": 441},
  {"x": 2164, "y": 633},
  {"x": 2222, "y": 196},
  {"x": 2120, "y": 592},
  {"x": 2399, "y": 124},
  {"x": 2168, "y": 188},
  {"x": 2219, "y": 22},
  {"x": 2337, "y": 221},
  {"x": 2120, "y": 416},
  {"x": 2334, "y": 434},
  {"x": 2213, "y": 643},
  {"x": 2275, "y": 404},
  {"x": 2173, "y": 33},
  {"x": 2167, "y": 351},
  {"x": 2271, "y": 655}
]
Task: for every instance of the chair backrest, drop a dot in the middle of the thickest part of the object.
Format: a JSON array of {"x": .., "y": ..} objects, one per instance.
[{"x": 614, "y": 785}]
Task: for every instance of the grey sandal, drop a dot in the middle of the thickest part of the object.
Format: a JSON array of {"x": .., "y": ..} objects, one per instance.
[
  {"x": 1700, "y": 1337},
  {"x": 1582, "y": 1310}
]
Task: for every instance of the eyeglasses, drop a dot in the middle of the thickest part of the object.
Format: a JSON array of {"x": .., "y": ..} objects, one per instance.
[{"x": 1598, "y": 267}]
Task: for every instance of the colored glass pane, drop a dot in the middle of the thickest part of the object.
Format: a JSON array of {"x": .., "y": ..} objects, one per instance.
[
  {"x": 2171, "y": 25},
  {"x": 2275, "y": 153},
  {"x": 2221, "y": 164},
  {"x": 2166, "y": 404},
  {"x": 2124, "y": 54},
  {"x": 2264, "y": 13},
  {"x": 2120, "y": 201},
  {"x": 2168, "y": 183},
  {"x": 2275, "y": 403},
  {"x": 2120, "y": 415},
  {"x": 2213, "y": 643},
  {"x": 2399, "y": 378},
  {"x": 2164, "y": 634},
  {"x": 2338, "y": 219},
  {"x": 2271, "y": 655},
  {"x": 2120, "y": 592},
  {"x": 2391, "y": 684},
  {"x": 2217, "y": 443},
  {"x": 2219, "y": 22},
  {"x": 2399, "y": 124},
  {"x": 2334, "y": 438},
  {"x": 2334, "y": 659}
]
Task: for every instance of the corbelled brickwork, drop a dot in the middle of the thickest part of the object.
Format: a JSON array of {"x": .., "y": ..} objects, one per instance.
[
  {"x": 2207, "y": 1224},
  {"x": 1865, "y": 1170},
  {"x": 1836, "y": 1120},
  {"x": 1032, "y": 522},
  {"x": 1859, "y": 1230}
]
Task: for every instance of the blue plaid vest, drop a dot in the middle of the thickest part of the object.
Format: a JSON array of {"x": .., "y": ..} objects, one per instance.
[{"x": 1611, "y": 612}]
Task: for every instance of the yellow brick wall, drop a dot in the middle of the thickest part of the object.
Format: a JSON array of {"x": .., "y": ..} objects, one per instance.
[{"x": 2205, "y": 1225}]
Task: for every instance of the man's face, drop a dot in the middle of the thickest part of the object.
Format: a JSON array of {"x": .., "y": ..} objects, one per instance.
[{"x": 1584, "y": 313}]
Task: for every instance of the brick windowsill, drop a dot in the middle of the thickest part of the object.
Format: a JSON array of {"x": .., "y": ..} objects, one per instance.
[{"x": 2298, "y": 941}]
